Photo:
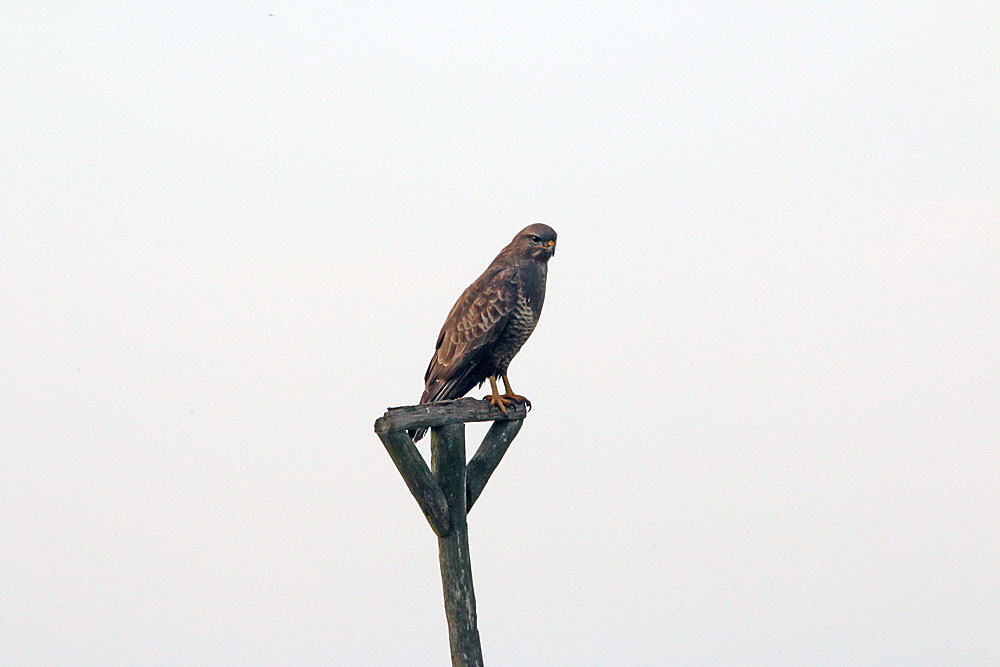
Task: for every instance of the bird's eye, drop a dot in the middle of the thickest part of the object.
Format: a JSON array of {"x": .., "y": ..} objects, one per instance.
[{"x": 535, "y": 239}]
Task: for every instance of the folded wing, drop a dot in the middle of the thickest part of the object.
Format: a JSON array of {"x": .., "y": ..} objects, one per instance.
[{"x": 464, "y": 345}]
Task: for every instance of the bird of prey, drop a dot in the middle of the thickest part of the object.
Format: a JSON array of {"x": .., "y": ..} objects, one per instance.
[{"x": 490, "y": 322}]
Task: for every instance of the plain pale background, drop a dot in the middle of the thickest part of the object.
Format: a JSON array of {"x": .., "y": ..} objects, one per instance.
[{"x": 766, "y": 382}]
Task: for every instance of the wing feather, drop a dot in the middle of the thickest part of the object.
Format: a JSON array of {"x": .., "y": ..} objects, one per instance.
[{"x": 474, "y": 323}]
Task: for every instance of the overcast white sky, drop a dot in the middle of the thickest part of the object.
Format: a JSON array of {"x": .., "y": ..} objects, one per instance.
[{"x": 766, "y": 382}]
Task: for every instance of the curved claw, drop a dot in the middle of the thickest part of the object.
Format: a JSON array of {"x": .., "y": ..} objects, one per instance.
[
  {"x": 517, "y": 398},
  {"x": 498, "y": 401},
  {"x": 503, "y": 400}
]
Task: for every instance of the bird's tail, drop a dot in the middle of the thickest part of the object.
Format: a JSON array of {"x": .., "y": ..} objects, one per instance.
[
  {"x": 430, "y": 394},
  {"x": 416, "y": 434}
]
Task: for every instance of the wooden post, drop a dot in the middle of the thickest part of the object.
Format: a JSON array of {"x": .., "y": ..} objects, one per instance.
[
  {"x": 447, "y": 490},
  {"x": 448, "y": 466},
  {"x": 418, "y": 479}
]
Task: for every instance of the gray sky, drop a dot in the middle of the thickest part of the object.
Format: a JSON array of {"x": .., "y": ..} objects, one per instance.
[{"x": 766, "y": 382}]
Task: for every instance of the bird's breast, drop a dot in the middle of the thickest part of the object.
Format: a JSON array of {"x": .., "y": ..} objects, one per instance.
[{"x": 519, "y": 327}]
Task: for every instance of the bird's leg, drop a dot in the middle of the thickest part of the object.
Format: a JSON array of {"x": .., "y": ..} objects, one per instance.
[
  {"x": 510, "y": 392},
  {"x": 495, "y": 398}
]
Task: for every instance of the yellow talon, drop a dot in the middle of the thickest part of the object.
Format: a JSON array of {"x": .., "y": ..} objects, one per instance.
[{"x": 503, "y": 400}]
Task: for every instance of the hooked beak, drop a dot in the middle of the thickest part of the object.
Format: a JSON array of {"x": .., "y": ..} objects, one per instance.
[{"x": 551, "y": 247}]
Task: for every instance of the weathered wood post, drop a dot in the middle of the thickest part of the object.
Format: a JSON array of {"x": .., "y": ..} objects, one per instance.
[
  {"x": 446, "y": 492},
  {"x": 448, "y": 466}
]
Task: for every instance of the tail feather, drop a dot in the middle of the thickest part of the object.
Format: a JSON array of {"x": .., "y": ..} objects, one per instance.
[
  {"x": 416, "y": 434},
  {"x": 431, "y": 394},
  {"x": 442, "y": 391}
]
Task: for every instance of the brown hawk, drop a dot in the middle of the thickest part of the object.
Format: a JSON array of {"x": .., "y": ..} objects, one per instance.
[{"x": 490, "y": 322}]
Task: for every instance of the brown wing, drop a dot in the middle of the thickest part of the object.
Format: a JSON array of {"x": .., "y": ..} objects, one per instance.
[{"x": 473, "y": 325}]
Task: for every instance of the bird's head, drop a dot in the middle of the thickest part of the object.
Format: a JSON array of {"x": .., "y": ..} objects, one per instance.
[{"x": 537, "y": 241}]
